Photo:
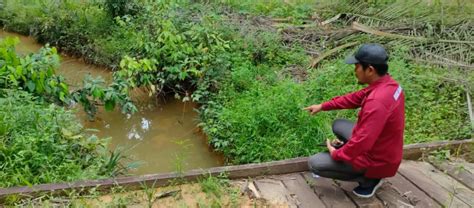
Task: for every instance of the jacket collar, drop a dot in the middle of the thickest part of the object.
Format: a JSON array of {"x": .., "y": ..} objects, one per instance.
[{"x": 384, "y": 79}]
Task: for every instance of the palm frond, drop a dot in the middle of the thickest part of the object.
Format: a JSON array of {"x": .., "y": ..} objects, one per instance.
[{"x": 438, "y": 34}]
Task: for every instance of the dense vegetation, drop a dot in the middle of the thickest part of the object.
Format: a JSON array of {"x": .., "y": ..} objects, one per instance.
[
  {"x": 250, "y": 73},
  {"x": 44, "y": 143},
  {"x": 41, "y": 141}
]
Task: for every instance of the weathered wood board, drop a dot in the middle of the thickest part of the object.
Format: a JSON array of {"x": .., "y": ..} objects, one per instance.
[
  {"x": 415, "y": 196},
  {"x": 458, "y": 170},
  {"x": 274, "y": 192},
  {"x": 300, "y": 191},
  {"x": 449, "y": 183},
  {"x": 415, "y": 151},
  {"x": 330, "y": 193},
  {"x": 391, "y": 198},
  {"x": 410, "y": 170}
]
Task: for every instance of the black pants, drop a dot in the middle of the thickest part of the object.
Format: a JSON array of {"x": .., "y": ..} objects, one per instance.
[{"x": 323, "y": 165}]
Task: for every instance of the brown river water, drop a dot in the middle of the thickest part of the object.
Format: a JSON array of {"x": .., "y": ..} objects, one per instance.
[{"x": 161, "y": 137}]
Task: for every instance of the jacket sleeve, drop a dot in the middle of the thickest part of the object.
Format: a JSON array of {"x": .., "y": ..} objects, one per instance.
[
  {"x": 371, "y": 122},
  {"x": 348, "y": 101}
]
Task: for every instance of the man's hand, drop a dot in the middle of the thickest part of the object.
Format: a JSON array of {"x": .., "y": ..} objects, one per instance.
[
  {"x": 330, "y": 147},
  {"x": 314, "y": 109}
]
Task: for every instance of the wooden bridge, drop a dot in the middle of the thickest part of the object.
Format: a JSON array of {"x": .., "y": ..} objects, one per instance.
[
  {"x": 417, "y": 184},
  {"x": 288, "y": 183}
]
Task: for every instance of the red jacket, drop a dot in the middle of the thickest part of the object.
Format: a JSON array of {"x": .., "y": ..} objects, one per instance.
[{"x": 376, "y": 144}]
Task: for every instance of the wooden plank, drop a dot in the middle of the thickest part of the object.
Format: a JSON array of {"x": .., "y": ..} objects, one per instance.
[
  {"x": 253, "y": 190},
  {"x": 429, "y": 186},
  {"x": 372, "y": 202},
  {"x": 468, "y": 166},
  {"x": 414, "y": 195},
  {"x": 458, "y": 171},
  {"x": 391, "y": 198},
  {"x": 300, "y": 191},
  {"x": 275, "y": 192},
  {"x": 415, "y": 151},
  {"x": 329, "y": 192},
  {"x": 449, "y": 183}
]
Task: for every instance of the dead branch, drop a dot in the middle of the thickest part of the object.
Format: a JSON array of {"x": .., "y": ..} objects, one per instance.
[
  {"x": 363, "y": 28},
  {"x": 332, "y": 19},
  {"x": 331, "y": 52}
]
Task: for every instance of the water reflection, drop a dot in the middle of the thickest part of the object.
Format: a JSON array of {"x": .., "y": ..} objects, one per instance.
[{"x": 162, "y": 134}]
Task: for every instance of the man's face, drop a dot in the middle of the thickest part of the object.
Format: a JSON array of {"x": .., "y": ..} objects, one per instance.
[{"x": 361, "y": 74}]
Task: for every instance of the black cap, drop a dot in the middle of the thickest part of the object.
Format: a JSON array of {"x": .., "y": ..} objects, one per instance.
[{"x": 371, "y": 53}]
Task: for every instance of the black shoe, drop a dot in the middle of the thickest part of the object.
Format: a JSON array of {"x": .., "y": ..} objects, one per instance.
[{"x": 367, "y": 192}]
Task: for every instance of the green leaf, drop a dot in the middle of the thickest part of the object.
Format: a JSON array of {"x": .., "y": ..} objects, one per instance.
[
  {"x": 61, "y": 96},
  {"x": 64, "y": 86},
  {"x": 183, "y": 75},
  {"x": 31, "y": 85},
  {"x": 109, "y": 105},
  {"x": 97, "y": 93},
  {"x": 19, "y": 71}
]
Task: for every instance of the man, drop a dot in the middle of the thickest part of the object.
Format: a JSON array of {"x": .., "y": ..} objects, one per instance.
[{"x": 373, "y": 147}]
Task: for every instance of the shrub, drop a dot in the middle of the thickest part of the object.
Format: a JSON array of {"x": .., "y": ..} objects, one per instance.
[
  {"x": 119, "y": 8},
  {"x": 42, "y": 143},
  {"x": 36, "y": 74},
  {"x": 267, "y": 123}
]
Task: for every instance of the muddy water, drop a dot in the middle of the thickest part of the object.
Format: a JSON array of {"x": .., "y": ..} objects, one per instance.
[{"x": 161, "y": 137}]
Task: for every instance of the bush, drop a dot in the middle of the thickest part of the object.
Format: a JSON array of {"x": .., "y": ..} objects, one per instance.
[
  {"x": 119, "y": 8},
  {"x": 36, "y": 74},
  {"x": 267, "y": 123},
  {"x": 42, "y": 143}
]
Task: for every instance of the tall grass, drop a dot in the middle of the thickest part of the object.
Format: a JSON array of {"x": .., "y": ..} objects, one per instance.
[{"x": 42, "y": 143}]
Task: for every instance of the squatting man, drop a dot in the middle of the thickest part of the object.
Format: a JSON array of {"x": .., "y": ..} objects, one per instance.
[{"x": 371, "y": 149}]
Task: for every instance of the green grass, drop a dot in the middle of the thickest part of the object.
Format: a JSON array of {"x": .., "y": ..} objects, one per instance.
[
  {"x": 295, "y": 11},
  {"x": 41, "y": 143},
  {"x": 219, "y": 192}
]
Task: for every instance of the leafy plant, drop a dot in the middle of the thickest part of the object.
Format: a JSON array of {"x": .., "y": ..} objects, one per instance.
[
  {"x": 36, "y": 74},
  {"x": 214, "y": 185},
  {"x": 42, "y": 143},
  {"x": 119, "y": 8},
  {"x": 219, "y": 191}
]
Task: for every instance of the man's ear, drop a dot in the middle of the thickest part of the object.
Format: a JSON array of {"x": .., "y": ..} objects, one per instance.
[{"x": 372, "y": 69}]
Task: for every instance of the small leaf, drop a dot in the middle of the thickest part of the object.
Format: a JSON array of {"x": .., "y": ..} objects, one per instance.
[
  {"x": 109, "y": 105},
  {"x": 61, "y": 96},
  {"x": 31, "y": 86},
  {"x": 64, "y": 86},
  {"x": 97, "y": 93}
]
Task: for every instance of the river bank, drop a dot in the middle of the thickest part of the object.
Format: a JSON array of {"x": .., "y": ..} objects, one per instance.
[{"x": 161, "y": 137}]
